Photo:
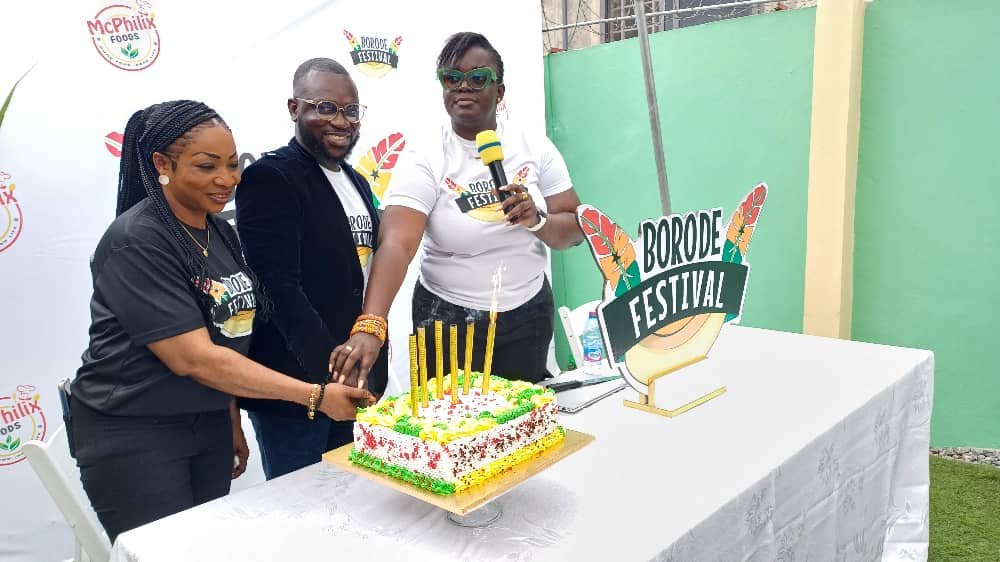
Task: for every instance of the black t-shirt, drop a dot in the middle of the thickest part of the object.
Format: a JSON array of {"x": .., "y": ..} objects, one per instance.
[{"x": 142, "y": 294}]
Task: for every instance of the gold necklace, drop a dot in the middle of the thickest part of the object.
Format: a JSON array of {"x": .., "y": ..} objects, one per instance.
[{"x": 208, "y": 239}]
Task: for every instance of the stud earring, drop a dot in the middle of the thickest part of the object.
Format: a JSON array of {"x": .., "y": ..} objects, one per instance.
[{"x": 164, "y": 179}]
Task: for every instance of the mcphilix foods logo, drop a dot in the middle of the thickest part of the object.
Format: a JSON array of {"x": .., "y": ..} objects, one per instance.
[
  {"x": 21, "y": 420},
  {"x": 126, "y": 36},
  {"x": 10, "y": 213},
  {"x": 375, "y": 56}
]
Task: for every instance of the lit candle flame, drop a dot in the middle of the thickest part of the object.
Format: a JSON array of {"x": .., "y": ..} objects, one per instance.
[
  {"x": 491, "y": 330},
  {"x": 497, "y": 279}
]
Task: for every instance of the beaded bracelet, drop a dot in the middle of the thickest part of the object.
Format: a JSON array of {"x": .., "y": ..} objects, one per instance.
[
  {"x": 371, "y": 324},
  {"x": 311, "y": 412},
  {"x": 322, "y": 391}
]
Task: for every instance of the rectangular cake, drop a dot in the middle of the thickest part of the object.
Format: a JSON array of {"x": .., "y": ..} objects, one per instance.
[{"x": 450, "y": 447}]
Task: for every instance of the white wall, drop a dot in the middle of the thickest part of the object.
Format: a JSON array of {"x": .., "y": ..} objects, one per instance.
[{"x": 238, "y": 58}]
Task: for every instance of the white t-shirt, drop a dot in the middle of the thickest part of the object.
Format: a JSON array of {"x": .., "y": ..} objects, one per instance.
[
  {"x": 358, "y": 217},
  {"x": 466, "y": 236}
]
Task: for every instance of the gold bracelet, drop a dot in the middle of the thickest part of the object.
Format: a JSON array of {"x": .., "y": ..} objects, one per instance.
[{"x": 311, "y": 413}]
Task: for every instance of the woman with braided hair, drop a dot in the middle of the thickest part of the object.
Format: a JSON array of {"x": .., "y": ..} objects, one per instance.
[{"x": 153, "y": 424}]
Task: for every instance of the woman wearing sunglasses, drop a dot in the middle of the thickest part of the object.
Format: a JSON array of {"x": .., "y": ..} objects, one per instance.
[{"x": 445, "y": 192}]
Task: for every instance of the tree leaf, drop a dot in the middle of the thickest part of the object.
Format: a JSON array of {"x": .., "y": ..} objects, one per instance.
[
  {"x": 6, "y": 103},
  {"x": 17, "y": 443}
]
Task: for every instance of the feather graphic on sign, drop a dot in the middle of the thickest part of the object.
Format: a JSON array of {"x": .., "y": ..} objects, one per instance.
[
  {"x": 394, "y": 45},
  {"x": 612, "y": 248},
  {"x": 741, "y": 225},
  {"x": 355, "y": 46},
  {"x": 377, "y": 164}
]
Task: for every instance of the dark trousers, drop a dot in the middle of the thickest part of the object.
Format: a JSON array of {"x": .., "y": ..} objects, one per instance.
[
  {"x": 290, "y": 443},
  {"x": 138, "y": 469},
  {"x": 521, "y": 342}
]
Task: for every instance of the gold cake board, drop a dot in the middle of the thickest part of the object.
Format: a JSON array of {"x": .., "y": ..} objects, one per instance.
[{"x": 472, "y": 498}]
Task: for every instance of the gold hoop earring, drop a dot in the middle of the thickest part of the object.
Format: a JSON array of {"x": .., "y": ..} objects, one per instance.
[{"x": 164, "y": 179}]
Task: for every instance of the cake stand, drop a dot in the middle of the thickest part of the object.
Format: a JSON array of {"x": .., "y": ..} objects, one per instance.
[{"x": 470, "y": 507}]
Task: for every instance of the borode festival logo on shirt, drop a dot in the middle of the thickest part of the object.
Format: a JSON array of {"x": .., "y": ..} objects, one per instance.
[
  {"x": 10, "y": 213},
  {"x": 235, "y": 304},
  {"x": 126, "y": 36},
  {"x": 21, "y": 420},
  {"x": 375, "y": 56},
  {"x": 478, "y": 200},
  {"x": 361, "y": 230}
]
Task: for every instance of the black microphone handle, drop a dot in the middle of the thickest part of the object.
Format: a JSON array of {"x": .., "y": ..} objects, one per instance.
[{"x": 499, "y": 179}]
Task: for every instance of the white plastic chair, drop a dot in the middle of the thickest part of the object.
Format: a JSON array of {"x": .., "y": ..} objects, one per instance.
[
  {"x": 59, "y": 474},
  {"x": 573, "y": 322}
]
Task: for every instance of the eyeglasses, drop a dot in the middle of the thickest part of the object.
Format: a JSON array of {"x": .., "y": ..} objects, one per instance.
[
  {"x": 353, "y": 112},
  {"x": 477, "y": 78}
]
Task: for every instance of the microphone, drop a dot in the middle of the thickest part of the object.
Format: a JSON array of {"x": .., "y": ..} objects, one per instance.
[{"x": 491, "y": 153}]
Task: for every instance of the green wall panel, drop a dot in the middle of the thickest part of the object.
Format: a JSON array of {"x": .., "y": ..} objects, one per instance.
[
  {"x": 735, "y": 102},
  {"x": 927, "y": 247}
]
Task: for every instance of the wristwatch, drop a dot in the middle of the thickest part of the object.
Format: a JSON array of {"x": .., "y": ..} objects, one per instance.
[{"x": 542, "y": 217}]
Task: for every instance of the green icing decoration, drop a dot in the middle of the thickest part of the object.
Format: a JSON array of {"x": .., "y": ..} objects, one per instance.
[
  {"x": 435, "y": 485},
  {"x": 522, "y": 405},
  {"x": 517, "y": 412},
  {"x": 405, "y": 426},
  {"x": 527, "y": 393}
]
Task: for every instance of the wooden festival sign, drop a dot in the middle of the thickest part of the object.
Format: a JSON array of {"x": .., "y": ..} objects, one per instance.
[{"x": 668, "y": 294}]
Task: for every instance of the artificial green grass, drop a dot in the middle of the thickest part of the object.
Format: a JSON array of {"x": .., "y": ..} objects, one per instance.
[{"x": 965, "y": 512}]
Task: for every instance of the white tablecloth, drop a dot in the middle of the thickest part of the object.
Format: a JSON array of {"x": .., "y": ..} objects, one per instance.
[{"x": 818, "y": 451}]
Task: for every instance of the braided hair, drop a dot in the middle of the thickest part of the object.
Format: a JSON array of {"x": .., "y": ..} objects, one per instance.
[
  {"x": 457, "y": 45},
  {"x": 168, "y": 128}
]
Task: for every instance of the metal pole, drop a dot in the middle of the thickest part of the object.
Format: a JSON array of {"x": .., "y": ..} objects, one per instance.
[
  {"x": 565, "y": 31},
  {"x": 654, "y": 108}
]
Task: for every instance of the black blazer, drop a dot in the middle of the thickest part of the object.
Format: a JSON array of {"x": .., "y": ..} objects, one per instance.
[{"x": 297, "y": 241}]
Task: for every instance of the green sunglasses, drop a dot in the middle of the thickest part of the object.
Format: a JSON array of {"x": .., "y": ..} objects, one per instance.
[{"x": 477, "y": 78}]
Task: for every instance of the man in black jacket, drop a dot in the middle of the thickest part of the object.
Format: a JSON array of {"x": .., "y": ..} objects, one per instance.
[{"x": 308, "y": 227}]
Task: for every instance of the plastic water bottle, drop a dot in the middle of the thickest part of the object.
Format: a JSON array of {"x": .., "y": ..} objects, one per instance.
[{"x": 593, "y": 345}]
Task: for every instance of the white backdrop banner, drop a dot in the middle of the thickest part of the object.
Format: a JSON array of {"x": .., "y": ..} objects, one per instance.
[{"x": 92, "y": 64}]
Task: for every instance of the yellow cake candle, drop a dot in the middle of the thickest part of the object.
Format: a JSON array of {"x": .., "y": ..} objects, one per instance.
[
  {"x": 422, "y": 353},
  {"x": 488, "y": 362},
  {"x": 453, "y": 356},
  {"x": 470, "y": 329},
  {"x": 414, "y": 384},
  {"x": 438, "y": 359}
]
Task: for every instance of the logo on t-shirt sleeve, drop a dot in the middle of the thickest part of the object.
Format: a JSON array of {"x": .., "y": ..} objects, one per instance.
[{"x": 479, "y": 200}]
